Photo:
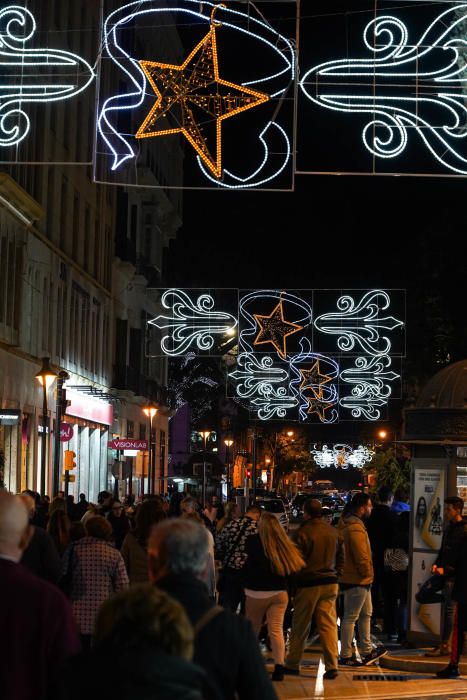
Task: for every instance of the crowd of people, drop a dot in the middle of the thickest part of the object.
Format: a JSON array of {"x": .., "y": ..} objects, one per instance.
[{"x": 176, "y": 596}]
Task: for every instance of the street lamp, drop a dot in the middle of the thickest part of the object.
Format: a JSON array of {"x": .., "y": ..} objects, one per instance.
[
  {"x": 150, "y": 411},
  {"x": 46, "y": 376},
  {"x": 204, "y": 434},
  {"x": 228, "y": 444}
]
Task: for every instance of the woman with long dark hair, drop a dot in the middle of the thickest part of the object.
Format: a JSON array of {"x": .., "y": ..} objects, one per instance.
[{"x": 135, "y": 545}]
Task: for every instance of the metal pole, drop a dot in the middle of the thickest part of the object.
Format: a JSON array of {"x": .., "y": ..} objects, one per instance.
[
  {"x": 204, "y": 473},
  {"x": 153, "y": 460},
  {"x": 253, "y": 469},
  {"x": 61, "y": 398},
  {"x": 228, "y": 471},
  {"x": 44, "y": 439}
]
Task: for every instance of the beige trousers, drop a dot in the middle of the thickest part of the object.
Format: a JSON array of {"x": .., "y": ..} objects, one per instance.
[
  {"x": 274, "y": 609},
  {"x": 319, "y": 601}
]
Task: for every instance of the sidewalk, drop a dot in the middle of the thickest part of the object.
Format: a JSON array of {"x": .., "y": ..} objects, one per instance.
[{"x": 390, "y": 681}]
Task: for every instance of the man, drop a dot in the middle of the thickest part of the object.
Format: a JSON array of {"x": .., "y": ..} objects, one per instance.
[
  {"x": 445, "y": 565},
  {"x": 38, "y": 631},
  {"x": 380, "y": 526},
  {"x": 40, "y": 556},
  {"x": 355, "y": 583},
  {"x": 317, "y": 589},
  {"x": 230, "y": 544},
  {"x": 225, "y": 644}
]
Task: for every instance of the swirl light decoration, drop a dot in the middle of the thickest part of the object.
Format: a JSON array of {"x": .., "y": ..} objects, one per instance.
[
  {"x": 192, "y": 323},
  {"x": 66, "y": 74},
  {"x": 431, "y": 72},
  {"x": 361, "y": 323},
  {"x": 289, "y": 379},
  {"x": 342, "y": 456},
  {"x": 198, "y": 86}
]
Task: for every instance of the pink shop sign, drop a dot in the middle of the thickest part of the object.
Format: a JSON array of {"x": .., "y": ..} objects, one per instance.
[
  {"x": 128, "y": 444},
  {"x": 83, "y": 406},
  {"x": 66, "y": 432}
]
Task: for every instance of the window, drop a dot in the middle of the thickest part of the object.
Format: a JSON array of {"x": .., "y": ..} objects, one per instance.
[
  {"x": 75, "y": 241},
  {"x": 130, "y": 429}
]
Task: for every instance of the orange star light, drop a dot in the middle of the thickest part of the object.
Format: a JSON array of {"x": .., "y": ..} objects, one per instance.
[
  {"x": 312, "y": 377},
  {"x": 193, "y": 92},
  {"x": 318, "y": 407},
  {"x": 277, "y": 328}
]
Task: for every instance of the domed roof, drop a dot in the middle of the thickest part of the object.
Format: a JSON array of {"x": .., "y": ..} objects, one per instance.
[{"x": 447, "y": 389}]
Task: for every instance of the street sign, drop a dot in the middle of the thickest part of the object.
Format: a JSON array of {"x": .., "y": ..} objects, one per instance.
[
  {"x": 71, "y": 477},
  {"x": 66, "y": 432},
  {"x": 128, "y": 444}
]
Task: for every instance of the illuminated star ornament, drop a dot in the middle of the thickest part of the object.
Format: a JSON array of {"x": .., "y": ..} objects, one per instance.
[
  {"x": 313, "y": 379},
  {"x": 318, "y": 407},
  {"x": 193, "y": 94},
  {"x": 275, "y": 329}
]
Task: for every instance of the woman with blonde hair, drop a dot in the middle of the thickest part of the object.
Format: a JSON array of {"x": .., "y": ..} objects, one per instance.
[{"x": 272, "y": 558}]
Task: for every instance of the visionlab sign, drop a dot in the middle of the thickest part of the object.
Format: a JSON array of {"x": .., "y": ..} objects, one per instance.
[{"x": 128, "y": 444}]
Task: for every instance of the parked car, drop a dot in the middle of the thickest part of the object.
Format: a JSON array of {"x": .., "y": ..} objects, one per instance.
[
  {"x": 296, "y": 507},
  {"x": 276, "y": 507}
]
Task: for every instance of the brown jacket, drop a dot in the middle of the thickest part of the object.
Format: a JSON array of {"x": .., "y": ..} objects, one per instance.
[
  {"x": 358, "y": 565},
  {"x": 322, "y": 551}
]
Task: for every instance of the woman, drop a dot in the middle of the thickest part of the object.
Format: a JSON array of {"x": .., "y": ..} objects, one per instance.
[
  {"x": 146, "y": 637},
  {"x": 420, "y": 513},
  {"x": 120, "y": 523},
  {"x": 135, "y": 545},
  {"x": 59, "y": 527},
  {"x": 232, "y": 512},
  {"x": 97, "y": 572},
  {"x": 272, "y": 557}
]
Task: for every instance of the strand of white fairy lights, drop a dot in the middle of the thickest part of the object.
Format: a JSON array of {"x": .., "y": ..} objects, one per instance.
[
  {"x": 245, "y": 182},
  {"x": 32, "y": 93},
  {"x": 119, "y": 159}
]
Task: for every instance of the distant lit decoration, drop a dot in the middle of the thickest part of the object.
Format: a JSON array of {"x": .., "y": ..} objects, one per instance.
[
  {"x": 37, "y": 75},
  {"x": 195, "y": 97},
  {"x": 192, "y": 323},
  {"x": 361, "y": 323},
  {"x": 274, "y": 329},
  {"x": 433, "y": 72},
  {"x": 194, "y": 92},
  {"x": 278, "y": 373},
  {"x": 342, "y": 456}
]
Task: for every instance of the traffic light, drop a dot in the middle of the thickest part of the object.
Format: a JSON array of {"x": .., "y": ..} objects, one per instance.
[
  {"x": 248, "y": 473},
  {"x": 69, "y": 460}
]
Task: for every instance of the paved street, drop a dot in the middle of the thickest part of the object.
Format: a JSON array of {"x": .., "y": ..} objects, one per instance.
[{"x": 369, "y": 682}]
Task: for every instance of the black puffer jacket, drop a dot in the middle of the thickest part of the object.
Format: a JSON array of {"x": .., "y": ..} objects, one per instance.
[
  {"x": 451, "y": 543},
  {"x": 226, "y": 648},
  {"x": 144, "y": 673}
]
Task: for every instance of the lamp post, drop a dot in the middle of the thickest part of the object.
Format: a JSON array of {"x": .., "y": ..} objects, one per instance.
[
  {"x": 60, "y": 410},
  {"x": 150, "y": 411},
  {"x": 204, "y": 434},
  {"x": 228, "y": 444},
  {"x": 45, "y": 377}
]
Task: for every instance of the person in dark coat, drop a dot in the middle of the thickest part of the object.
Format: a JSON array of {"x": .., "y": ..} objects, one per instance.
[
  {"x": 37, "y": 628},
  {"x": 380, "y": 526},
  {"x": 459, "y": 595},
  {"x": 225, "y": 644},
  {"x": 147, "y": 635},
  {"x": 40, "y": 556}
]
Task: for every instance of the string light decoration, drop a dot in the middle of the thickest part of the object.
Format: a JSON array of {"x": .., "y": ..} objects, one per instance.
[
  {"x": 31, "y": 85},
  {"x": 292, "y": 380},
  {"x": 342, "y": 456},
  {"x": 192, "y": 324},
  {"x": 435, "y": 62},
  {"x": 275, "y": 329},
  {"x": 209, "y": 95},
  {"x": 196, "y": 83}
]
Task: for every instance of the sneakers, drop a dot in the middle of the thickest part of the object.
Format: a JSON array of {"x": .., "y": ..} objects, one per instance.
[
  {"x": 278, "y": 673},
  {"x": 290, "y": 671},
  {"x": 349, "y": 662},
  {"x": 330, "y": 675},
  {"x": 373, "y": 656},
  {"x": 451, "y": 671},
  {"x": 441, "y": 650}
]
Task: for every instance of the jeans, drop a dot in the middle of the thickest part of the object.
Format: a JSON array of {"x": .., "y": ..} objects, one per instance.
[
  {"x": 357, "y": 607},
  {"x": 458, "y": 631},
  {"x": 449, "y": 611},
  {"x": 232, "y": 596},
  {"x": 274, "y": 609}
]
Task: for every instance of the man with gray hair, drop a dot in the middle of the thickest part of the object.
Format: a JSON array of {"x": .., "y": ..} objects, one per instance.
[
  {"x": 37, "y": 628},
  {"x": 225, "y": 644}
]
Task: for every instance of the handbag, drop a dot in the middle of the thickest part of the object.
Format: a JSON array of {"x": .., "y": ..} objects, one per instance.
[
  {"x": 431, "y": 590},
  {"x": 396, "y": 560},
  {"x": 66, "y": 580}
]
